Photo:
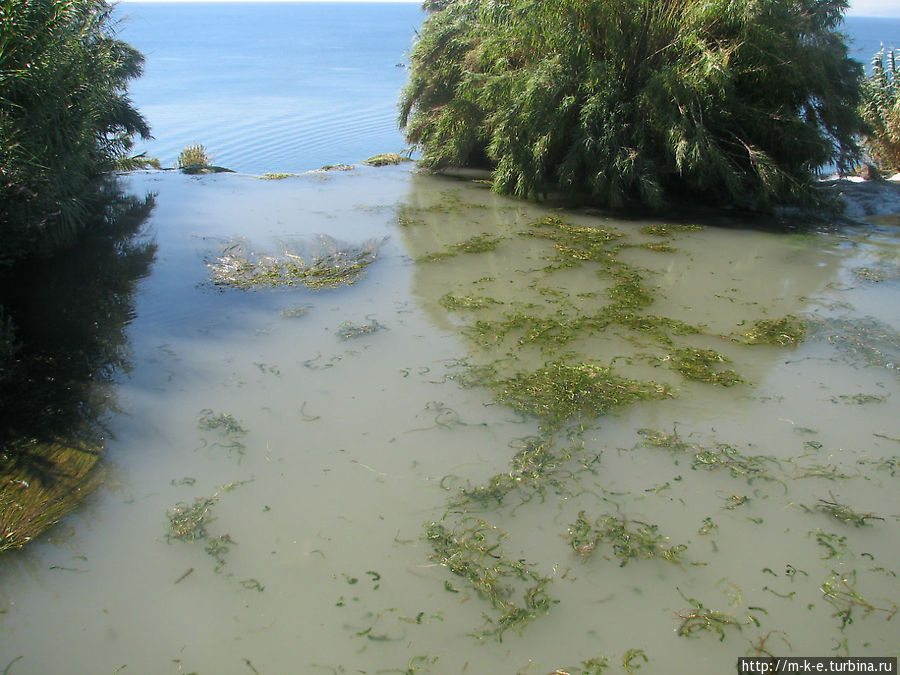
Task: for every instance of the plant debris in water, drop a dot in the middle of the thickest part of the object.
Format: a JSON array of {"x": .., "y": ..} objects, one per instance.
[
  {"x": 629, "y": 539},
  {"x": 333, "y": 265},
  {"x": 702, "y": 365},
  {"x": 187, "y": 522},
  {"x": 456, "y": 302},
  {"x": 844, "y": 513},
  {"x": 862, "y": 342},
  {"x": 700, "y": 618},
  {"x": 349, "y": 330},
  {"x": 788, "y": 331},
  {"x": 480, "y": 243},
  {"x": 561, "y": 392},
  {"x": 666, "y": 230},
  {"x": 840, "y": 591},
  {"x": 473, "y": 552}
]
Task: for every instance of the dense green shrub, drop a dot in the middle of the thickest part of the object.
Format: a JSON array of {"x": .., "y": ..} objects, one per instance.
[
  {"x": 65, "y": 115},
  {"x": 880, "y": 108},
  {"x": 726, "y": 101}
]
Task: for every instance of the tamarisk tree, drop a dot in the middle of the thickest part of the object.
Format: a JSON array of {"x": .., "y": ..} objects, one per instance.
[{"x": 730, "y": 102}]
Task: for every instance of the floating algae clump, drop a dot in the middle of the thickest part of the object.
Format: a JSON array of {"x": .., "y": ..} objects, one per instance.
[
  {"x": 349, "y": 330},
  {"x": 560, "y": 392},
  {"x": 386, "y": 159},
  {"x": 329, "y": 265},
  {"x": 629, "y": 539},
  {"x": 455, "y": 302},
  {"x": 862, "y": 342},
  {"x": 188, "y": 522},
  {"x": 473, "y": 553},
  {"x": 480, "y": 243},
  {"x": 788, "y": 331},
  {"x": 665, "y": 230},
  {"x": 701, "y": 365}
]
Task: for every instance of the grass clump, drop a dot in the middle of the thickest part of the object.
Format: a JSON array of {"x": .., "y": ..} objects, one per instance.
[
  {"x": 276, "y": 176},
  {"x": 788, "y": 331},
  {"x": 629, "y": 539},
  {"x": 701, "y": 365},
  {"x": 194, "y": 159},
  {"x": 194, "y": 156}
]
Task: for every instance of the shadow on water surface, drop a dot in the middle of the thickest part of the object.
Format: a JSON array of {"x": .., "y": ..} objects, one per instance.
[{"x": 67, "y": 315}]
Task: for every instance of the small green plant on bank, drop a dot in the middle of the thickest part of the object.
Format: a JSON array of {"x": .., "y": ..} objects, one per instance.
[
  {"x": 386, "y": 159},
  {"x": 880, "y": 108},
  {"x": 193, "y": 156}
]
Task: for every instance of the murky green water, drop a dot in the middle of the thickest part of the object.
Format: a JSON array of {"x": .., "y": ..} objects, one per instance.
[{"x": 324, "y": 452}]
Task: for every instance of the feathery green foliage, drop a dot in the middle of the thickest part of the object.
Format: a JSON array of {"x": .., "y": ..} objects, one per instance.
[
  {"x": 193, "y": 156},
  {"x": 638, "y": 100},
  {"x": 880, "y": 108},
  {"x": 65, "y": 116}
]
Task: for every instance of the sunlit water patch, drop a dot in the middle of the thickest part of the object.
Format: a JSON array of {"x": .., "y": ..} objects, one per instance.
[{"x": 408, "y": 473}]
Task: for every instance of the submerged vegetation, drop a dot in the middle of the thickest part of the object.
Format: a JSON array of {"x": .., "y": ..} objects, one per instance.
[
  {"x": 732, "y": 104},
  {"x": 562, "y": 392},
  {"x": 331, "y": 266},
  {"x": 629, "y": 539}
]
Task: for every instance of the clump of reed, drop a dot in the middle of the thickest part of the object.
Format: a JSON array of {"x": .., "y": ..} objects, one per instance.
[{"x": 40, "y": 484}]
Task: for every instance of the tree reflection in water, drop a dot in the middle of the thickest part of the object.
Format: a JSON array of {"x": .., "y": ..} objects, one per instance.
[{"x": 65, "y": 316}]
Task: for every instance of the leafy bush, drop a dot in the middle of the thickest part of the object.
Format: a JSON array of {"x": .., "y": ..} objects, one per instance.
[
  {"x": 880, "y": 108},
  {"x": 726, "y": 101},
  {"x": 65, "y": 116}
]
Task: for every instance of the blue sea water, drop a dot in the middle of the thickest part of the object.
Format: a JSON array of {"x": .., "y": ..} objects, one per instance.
[
  {"x": 292, "y": 86},
  {"x": 271, "y": 86}
]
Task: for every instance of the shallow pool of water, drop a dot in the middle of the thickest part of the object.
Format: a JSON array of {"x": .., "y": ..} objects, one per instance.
[{"x": 329, "y": 460}]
